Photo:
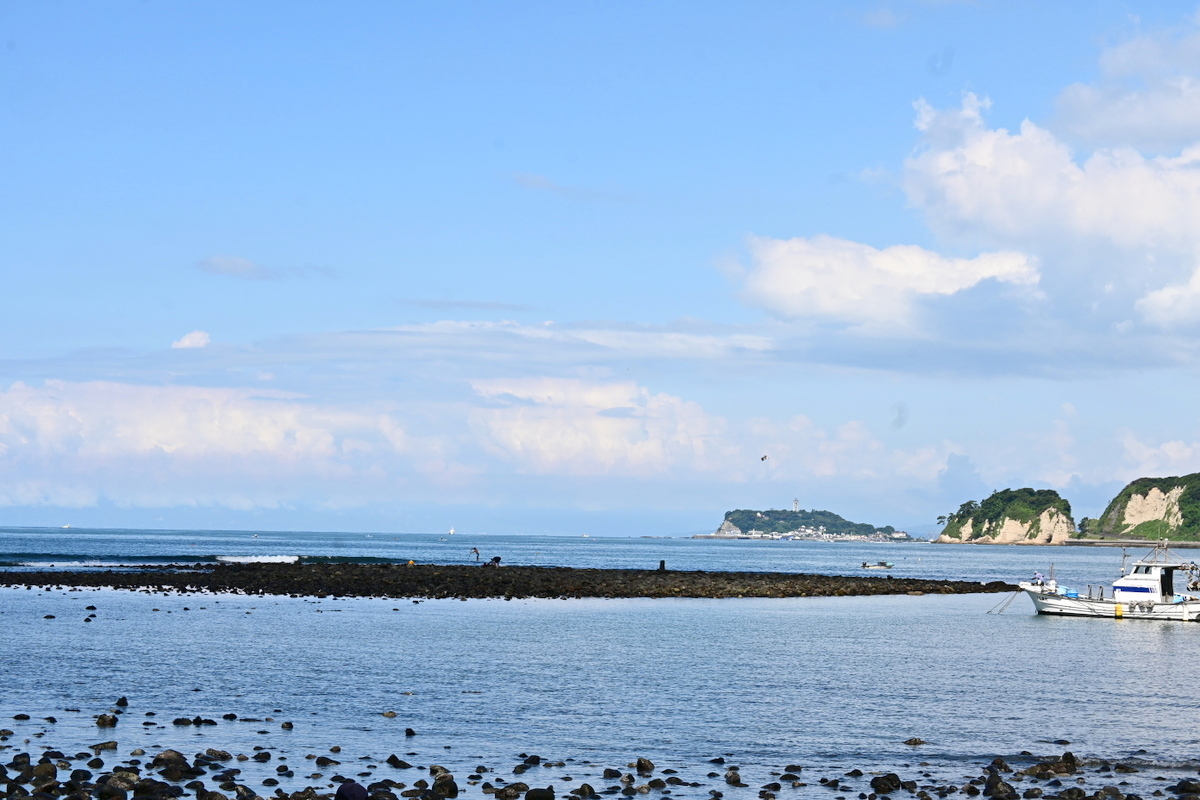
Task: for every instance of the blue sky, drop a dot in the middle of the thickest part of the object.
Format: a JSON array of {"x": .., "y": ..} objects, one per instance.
[{"x": 576, "y": 267}]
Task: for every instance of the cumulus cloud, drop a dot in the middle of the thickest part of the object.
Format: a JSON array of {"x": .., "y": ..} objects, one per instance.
[
  {"x": 1172, "y": 457},
  {"x": 829, "y": 278},
  {"x": 1027, "y": 189},
  {"x": 594, "y": 428},
  {"x": 70, "y": 443},
  {"x": 1174, "y": 305},
  {"x": 195, "y": 339}
]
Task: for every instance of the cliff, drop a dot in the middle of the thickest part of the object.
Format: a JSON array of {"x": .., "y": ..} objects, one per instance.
[
  {"x": 1152, "y": 508},
  {"x": 1011, "y": 516}
]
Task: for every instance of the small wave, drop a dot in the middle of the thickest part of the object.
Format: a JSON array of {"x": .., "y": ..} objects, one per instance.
[{"x": 258, "y": 559}]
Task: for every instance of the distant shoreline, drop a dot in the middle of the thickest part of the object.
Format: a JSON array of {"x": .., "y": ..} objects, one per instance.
[{"x": 457, "y": 581}]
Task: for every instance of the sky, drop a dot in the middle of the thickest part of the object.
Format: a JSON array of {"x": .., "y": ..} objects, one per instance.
[{"x": 606, "y": 268}]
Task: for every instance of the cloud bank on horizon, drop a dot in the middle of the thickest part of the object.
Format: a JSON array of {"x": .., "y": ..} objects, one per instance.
[{"x": 1017, "y": 305}]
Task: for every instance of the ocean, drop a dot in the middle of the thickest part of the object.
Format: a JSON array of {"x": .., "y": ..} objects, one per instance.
[{"x": 831, "y": 684}]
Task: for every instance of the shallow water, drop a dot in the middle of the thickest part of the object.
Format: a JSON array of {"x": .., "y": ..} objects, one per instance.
[{"x": 831, "y": 683}]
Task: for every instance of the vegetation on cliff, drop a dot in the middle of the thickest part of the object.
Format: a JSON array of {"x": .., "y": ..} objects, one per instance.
[
  {"x": 985, "y": 519},
  {"x": 781, "y": 521},
  {"x": 1171, "y": 512}
]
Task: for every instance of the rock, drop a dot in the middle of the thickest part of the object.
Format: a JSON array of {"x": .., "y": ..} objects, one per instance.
[
  {"x": 1125, "y": 768},
  {"x": 287, "y": 726},
  {"x": 644, "y": 765},
  {"x": 325, "y": 761},
  {"x": 106, "y": 721},
  {"x": 540, "y": 794},
  {"x": 389, "y": 714},
  {"x": 219, "y": 755},
  {"x": 914, "y": 742},
  {"x": 444, "y": 785},
  {"x": 995, "y": 787},
  {"x": 886, "y": 784},
  {"x": 794, "y": 768},
  {"x": 181, "y": 721},
  {"x": 409, "y": 732},
  {"x": 122, "y": 701},
  {"x": 584, "y": 791},
  {"x": 107, "y": 791},
  {"x": 109, "y": 745},
  {"x": 1000, "y": 764},
  {"x": 397, "y": 762},
  {"x": 610, "y": 773}
]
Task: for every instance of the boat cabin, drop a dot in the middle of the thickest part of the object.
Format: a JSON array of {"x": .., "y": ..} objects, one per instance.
[{"x": 1153, "y": 582}]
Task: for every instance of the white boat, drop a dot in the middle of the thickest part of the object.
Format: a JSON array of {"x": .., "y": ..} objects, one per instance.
[
  {"x": 877, "y": 565},
  {"x": 1146, "y": 591}
]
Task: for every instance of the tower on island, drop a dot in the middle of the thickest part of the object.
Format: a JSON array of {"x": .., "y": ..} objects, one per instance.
[{"x": 796, "y": 506}]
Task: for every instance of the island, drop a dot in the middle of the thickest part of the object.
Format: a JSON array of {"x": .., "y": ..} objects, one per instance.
[
  {"x": 799, "y": 524},
  {"x": 1150, "y": 508},
  {"x": 1010, "y": 516}
]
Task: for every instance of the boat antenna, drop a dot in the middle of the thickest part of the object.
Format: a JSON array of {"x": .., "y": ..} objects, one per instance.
[{"x": 1124, "y": 558}]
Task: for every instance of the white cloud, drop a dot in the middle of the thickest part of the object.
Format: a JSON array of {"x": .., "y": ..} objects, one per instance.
[
  {"x": 830, "y": 278},
  {"x": 556, "y": 425},
  {"x": 195, "y": 339},
  {"x": 1173, "y": 457},
  {"x": 1026, "y": 189},
  {"x": 1173, "y": 305},
  {"x": 69, "y": 443},
  {"x": 1148, "y": 94}
]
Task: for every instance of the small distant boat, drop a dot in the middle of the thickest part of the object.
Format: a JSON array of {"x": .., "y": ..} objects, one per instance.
[
  {"x": 877, "y": 565},
  {"x": 451, "y": 531},
  {"x": 1147, "y": 591},
  {"x": 66, "y": 526}
]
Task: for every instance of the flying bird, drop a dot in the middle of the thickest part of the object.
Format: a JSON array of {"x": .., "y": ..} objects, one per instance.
[{"x": 764, "y": 458}]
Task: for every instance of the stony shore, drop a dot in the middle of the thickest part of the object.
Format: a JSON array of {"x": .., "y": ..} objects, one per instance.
[
  {"x": 104, "y": 772},
  {"x": 457, "y": 581}
]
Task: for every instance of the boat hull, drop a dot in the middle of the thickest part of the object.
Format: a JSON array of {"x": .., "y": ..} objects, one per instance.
[{"x": 1046, "y": 602}]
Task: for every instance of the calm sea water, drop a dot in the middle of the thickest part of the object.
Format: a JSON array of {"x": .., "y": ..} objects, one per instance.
[{"x": 830, "y": 683}]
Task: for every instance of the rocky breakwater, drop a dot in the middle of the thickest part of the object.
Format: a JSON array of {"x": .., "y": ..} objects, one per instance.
[
  {"x": 1151, "y": 508},
  {"x": 457, "y": 581},
  {"x": 1010, "y": 516}
]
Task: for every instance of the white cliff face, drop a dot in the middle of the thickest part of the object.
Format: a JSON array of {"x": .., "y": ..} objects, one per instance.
[
  {"x": 728, "y": 529},
  {"x": 1050, "y": 527},
  {"x": 1154, "y": 505}
]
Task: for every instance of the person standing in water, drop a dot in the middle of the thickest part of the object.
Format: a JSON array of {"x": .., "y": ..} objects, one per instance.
[{"x": 475, "y": 552}]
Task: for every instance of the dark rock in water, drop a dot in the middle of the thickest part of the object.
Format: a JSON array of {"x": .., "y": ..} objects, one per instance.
[
  {"x": 1030, "y": 794},
  {"x": 106, "y": 721},
  {"x": 219, "y": 755},
  {"x": 1186, "y": 787},
  {"x": 1000, "y": 764},
  {"x": 122, "y": 701},
  {"x": 323, "y": 761},
  {"x": 409, "y": 732},
  {"x": 1126, "y": 768},
  {"x": 229, "y": 717},
  {"x": 107, "y": 791},
  {"x": 399, "y": 763},
  {"x": 717, "y": 760},
  {"x": 584, "y": 791},
  {"x": 181, "y": 721},
  {"x": 80, "y": 775},
  {"x": 109, "y": 745},
  {"x": 540, "y": 794},
  {"x": 886, "y": 784},
  {"x": 795, "y": 768},
  {"x": 854, "y": 773},
  {"x": 644, "y": 765},
  {"x": 444, "y": 785},
  {"x": 46, "y": 770},
  {"x": 609, "y": 772},
  {"x": 287, "y": 726},
  {"x": 995, "y": 787},
  {"x": 263, "y": 756}
]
